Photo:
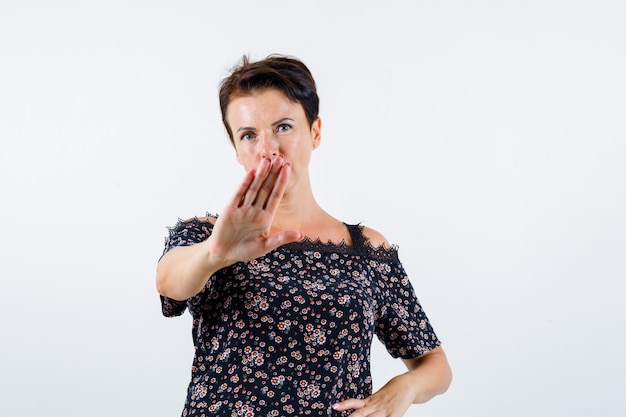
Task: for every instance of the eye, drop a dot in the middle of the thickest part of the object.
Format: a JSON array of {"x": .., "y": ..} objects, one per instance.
[
  {"x": 247, "y": 136},
  {"x": 283, "y": 127}
]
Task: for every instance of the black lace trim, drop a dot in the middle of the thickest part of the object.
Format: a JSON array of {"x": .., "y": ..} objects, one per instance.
[
  {"x": 192, "y": 220},
  {"x": 365, "y": 248},
  {"x": 382, "y": 253}
]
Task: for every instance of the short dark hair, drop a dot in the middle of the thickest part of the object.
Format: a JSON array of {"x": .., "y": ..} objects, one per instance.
[{"x": 281, "y": 72}]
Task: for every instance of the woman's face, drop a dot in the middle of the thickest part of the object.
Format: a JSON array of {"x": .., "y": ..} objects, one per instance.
[{"x": 267, "y": 124}]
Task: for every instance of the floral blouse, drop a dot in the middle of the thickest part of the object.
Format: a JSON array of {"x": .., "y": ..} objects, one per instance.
[{"x": 289, "y": 333}]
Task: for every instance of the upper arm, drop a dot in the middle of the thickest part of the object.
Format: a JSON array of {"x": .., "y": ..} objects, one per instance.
[
  {"x": 179, "y": 259},
  {"x": 188, "y": 232},
  {"x": 435, "y": 354}
]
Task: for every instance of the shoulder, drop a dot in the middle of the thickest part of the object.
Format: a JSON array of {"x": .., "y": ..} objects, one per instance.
[
  {"x": 375, "y": 238},
  {"x": 194, "y": 225},
  {"x": 209, "y": 218}
]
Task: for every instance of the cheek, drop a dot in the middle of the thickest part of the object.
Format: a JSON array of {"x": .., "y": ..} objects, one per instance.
[{"x": 246, "y": 158}]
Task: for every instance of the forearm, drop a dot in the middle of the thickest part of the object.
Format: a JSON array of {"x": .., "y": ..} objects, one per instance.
[
  {"x": 429, "y": 375},
  {"x": 184, "y": 271}
]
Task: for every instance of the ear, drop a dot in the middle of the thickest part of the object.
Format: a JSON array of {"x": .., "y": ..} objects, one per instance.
[{"x": 316, "y": 133}]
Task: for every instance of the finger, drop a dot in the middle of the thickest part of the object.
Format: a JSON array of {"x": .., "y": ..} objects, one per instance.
[
  {"x": 280, "y": 185},
  {"x": 269, "y": 183},
  {"x": 350, "y": 404},
  {"x": 249, "y": 195},
  {"x": 239, "y": 195}
]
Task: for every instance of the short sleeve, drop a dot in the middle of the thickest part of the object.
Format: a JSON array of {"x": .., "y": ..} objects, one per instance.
[
  {"x": 185, "y": 233},
  {"x": 401, "y": 324}
]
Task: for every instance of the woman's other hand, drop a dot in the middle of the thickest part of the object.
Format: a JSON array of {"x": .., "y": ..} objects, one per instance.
[{"x": 429, "y": 375}]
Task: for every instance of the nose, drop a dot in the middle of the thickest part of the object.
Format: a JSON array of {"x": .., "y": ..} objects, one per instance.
[{"x": 269, "y": 147}]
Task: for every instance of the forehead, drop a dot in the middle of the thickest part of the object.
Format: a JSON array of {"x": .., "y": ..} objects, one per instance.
[{"x": 269, "y": 103}]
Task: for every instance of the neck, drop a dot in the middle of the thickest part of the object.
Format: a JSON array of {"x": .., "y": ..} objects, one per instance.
[{"x": 296, "y": 210}]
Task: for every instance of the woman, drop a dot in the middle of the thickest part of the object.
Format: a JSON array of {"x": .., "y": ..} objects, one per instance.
[{"x": 285, "y": 298}]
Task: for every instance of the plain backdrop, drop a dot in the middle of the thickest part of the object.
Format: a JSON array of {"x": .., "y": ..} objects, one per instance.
[{"x": 485, "y": 138}]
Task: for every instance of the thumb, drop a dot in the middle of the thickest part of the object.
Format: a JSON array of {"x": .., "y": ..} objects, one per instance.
[{"x": 282, "y": 238}]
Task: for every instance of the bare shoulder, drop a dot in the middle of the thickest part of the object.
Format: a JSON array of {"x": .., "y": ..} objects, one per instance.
[{"x": 375, "y": 238}]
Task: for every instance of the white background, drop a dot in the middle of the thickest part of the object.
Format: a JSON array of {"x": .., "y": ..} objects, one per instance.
[{"x": 485, "y": 138}]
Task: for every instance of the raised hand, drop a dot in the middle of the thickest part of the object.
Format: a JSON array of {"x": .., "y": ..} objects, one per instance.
[{"x": 242, "y": 231}]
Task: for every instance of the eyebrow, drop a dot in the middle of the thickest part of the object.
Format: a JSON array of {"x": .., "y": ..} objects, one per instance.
[{"x": 277, "y": 122}]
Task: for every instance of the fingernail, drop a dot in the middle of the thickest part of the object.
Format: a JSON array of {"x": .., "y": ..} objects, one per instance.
[{"x": 335, "y": 406}]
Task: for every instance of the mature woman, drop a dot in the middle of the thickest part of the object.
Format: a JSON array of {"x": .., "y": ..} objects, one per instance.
[{"x": 285, "y": 298}]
